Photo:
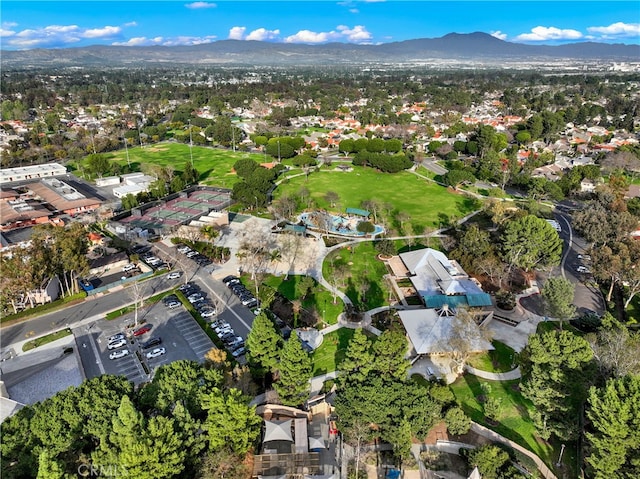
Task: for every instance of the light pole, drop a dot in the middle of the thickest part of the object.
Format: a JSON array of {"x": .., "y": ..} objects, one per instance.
[
  {"x": 559, "y": 463},
  {"x": 190, "y": 143},
  {"x": 126, "y": 149},
  {"x": 278, "y": 151}
]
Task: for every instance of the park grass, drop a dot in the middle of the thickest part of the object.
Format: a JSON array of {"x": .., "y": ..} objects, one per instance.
[
  {"x": 500, "y": 360},
  {"x": 34, "y": 343},
  {"x": 513, "y": 421},
  {"x": 332, "y": 351},
  {"x": 427, "y": 204},
  {"x": 360, "y": 264},
  {"x": 318, "y": 299},
  {"x": 214, "y": 165}
]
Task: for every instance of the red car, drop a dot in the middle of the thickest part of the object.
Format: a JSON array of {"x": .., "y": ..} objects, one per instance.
[{"x": 144, "y": 329}]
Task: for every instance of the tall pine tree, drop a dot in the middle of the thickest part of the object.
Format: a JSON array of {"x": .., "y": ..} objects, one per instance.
[
  {"x": 358, "y": 359},
  {"x": 295, "y": 372},
  {"x": 264, "y": 343}
]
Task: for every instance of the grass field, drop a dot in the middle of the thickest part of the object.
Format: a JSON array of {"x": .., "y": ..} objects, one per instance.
[
  {"x": 426, "y": 204},
  {"x": 214, "y": 165},
  {"x": 34, "y": 343},
  {"x": 331, "y": 352},
  {"x": 500, "y": 360},
  {"x": 318, "y": 299},
  {"x": 361, "y": 265},
  {"x": 513, "y": 420}
]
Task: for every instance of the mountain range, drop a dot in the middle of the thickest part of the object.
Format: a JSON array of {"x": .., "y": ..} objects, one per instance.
[{"x": 477, "y": 47}]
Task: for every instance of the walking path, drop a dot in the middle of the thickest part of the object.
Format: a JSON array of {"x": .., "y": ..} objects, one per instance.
[{"x": 508, "y": 376}]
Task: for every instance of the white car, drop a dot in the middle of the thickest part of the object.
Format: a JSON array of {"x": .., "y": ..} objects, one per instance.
[
  {"x": 115, "y": 337},
  {"x": 583, "y": 269},
  {"x": 119, "y": 354},
  {"x": 208, "y": 313},
  {"x": 174, "y": 275},
  {"x": 128, "y": 267},
  {"x": 155, "y": 353},
  {"x": 117, "y": 344}
]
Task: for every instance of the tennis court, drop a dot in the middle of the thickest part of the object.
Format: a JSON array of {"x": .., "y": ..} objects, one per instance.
[{"x": 180, "y": 210}]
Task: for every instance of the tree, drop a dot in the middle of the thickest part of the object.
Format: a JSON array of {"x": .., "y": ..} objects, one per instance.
[
  {"x": 358, "y": 360},
  {"x": 294, "y": 373},
  {"x": 400, "y": 437},
  {"x": 389, "y": 352},
  {"x": 531, "y": 241},
  {"x": 489, "y": 459},
  {"x": 332, "y": 198},
  {"x": 466, "y": 337},
  {"x": 223, "y": 464},
  {"x": 365, "y": 227},
  {"x": 614, "y": 432},
  {"x": 556, "y": 367},
  {"x": 474, "y": 244},
  {"x": 457, "y": 421},
  {"x": 558, "y": 296},
  {"x": 615, "y": 348},
  {"x": 181, "y": 382},
  {"x": 231, "y": 423},
  {"x": 264, "y": 343},
  {"x": 97, "y": 164}
]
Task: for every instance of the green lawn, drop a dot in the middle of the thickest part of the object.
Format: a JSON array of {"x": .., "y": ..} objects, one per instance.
[
  {"x": 360, "y": 264},
  {"x": 319, "y": 298},
  {"x": 426, "y": 204},
  {"x": 514, "y": 421},
  {"x": 214, "y": 165},
  {"x": 331, "y": 352},
  {"x": 34, "y": 343},
  {"x": 500, "y": 360}
]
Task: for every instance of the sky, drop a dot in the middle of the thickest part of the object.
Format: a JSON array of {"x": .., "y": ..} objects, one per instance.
[{"x": 56, "y": 24}]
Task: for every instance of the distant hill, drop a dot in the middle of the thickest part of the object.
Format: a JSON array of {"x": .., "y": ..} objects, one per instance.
[{"x": 472, "y": 46}]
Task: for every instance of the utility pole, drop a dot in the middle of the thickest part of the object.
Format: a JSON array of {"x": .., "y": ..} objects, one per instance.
[
  {"x": 190, "y": 143},
  {"x": 278, "y": 151},
  {"x": 126, "y": 149}
]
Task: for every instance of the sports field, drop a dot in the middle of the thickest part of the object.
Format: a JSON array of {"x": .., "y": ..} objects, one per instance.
[
  {"x": 214, "y": 165},
  {"x": 426, "y": 204}
]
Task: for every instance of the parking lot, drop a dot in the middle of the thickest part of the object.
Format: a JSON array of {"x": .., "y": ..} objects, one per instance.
[{"x": 181, "y": 337}]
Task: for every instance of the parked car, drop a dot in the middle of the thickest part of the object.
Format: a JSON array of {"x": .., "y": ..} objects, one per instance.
[
  {"x": 155, "y": 353},
  {"x": 128, "y": 267},
  {"x": 144, "y": 329},
  {"x": 174, "y": 275},
  {"x": 228, "y": 279},
  {"x": 115, "y": 337},
  {"x": 186, "y": 286},
  {"x": 208, "y": 313},
  {"x": 583, "y": 269},
  {"x": 117, "y": 344},
  {"x": 174, "y": 304},
  {"x": 238, "y": 352},
  {"x": 170, "y": 298},
  {"x": 119, "y": 354},
  {"x": 152, "y": 342}
]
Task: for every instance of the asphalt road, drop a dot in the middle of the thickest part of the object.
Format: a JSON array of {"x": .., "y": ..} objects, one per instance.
[
  {"x": 92, "y": 307},
  {"x": 587, "y": 296}
]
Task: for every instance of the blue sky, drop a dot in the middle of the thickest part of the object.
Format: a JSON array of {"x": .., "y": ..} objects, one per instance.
[{"x": 54, "y": 24}]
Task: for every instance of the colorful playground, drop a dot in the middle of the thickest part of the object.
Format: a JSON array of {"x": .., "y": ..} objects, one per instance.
[{"x": 343, "y": 224}]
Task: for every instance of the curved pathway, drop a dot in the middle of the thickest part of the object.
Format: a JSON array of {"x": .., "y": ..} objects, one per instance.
[{"x": 509, "y": 375}]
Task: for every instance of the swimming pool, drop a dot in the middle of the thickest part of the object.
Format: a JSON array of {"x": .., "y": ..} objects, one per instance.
[{"x": 336, "y": 224}]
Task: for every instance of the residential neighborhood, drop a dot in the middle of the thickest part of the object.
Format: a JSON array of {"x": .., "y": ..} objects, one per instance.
[{"x": 380, "y": 272}]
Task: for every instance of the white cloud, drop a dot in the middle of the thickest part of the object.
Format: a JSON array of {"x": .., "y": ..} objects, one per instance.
[
  {"x": 498, "y": 34},
  {"x": 131, "y": 24},
  {"x": 107, "y": 31},
  {"x": 374, "y": 1},
  {"x": 140, "y": 42},
  {"x": 236, "y": 33},
  {"x": 167, "y": 42},
  {"x": 354, "y": 10},
  {"x": 307, "y": 36},
  {"x": 6, "y": 33},
  {"x": 262, "y": 34},
  {"x": 540, "y": 34},
  {"x": 357, "y": 34},
  {"x": 618, "y": 29},
  {"x": 199, "y": 5}
]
